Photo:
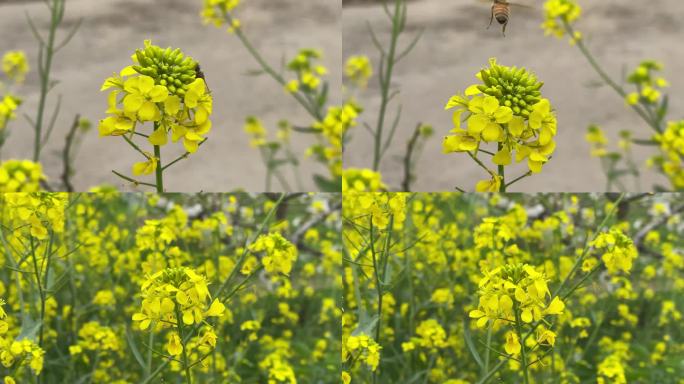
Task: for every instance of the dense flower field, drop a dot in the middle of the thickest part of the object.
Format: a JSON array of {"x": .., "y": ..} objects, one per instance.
[
  {"x": 463, "y": 288},
  {"x": 134, "y": 288}
]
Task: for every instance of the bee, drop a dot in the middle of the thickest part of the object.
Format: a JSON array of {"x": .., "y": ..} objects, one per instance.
[
  {"x": 200, "y": 75},
  {"x": 501, "y": 11}
]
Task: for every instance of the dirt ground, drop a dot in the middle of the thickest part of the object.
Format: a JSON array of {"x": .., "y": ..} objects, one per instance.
[
  {"x": 113, "y": 29},
  {"x": 456, "y": 44}
]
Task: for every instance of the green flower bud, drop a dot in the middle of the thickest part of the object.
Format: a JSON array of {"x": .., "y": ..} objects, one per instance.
[{"x": 166, "y": 66}]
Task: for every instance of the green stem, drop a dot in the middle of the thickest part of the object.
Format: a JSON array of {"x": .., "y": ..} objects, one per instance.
[
  {"x": 44, "y": 67},
  {"x": 502, "y": 172},
  {"x": 181, "y": 334},
  {"x": 269, "y": 70},
  {"x": 385, "y": 83},
  {"x": 606, "y": 78},
  {"x": 150, "y": 341},
  {"x": 523, "y": 355},
  {"x": 378, "y": 287},
  {"x": 489, "y": 342},
  {"x": 159, "y": 170}
]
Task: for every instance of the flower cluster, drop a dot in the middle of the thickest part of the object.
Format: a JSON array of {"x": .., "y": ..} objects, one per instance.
[
  {"x": 255, "y": 129},
  {"x": 176, "y": 297},
  {"x": 362, "y": 180},
  {"x": 671, "y": 159},
  {"x": 647, "y": 83},
  {"x": 430, "y": 335},
  {"x": 8, "y": 106},
  {"x": 100, "y": 341},
  {"x": 308, "y": 73},
  {"x": 522, "y": 283},
  {"x": 362, "y": 348},
  {"x": 618, "y": 250},
  {"x": 20, "y": 176},
  {"x": 332, "y": 129},
  {"x": 15, "y": 352},
  {"x": 15, "y": 65},
  {"x": 359, "y": 70},
  {"x": 218, "y": 12},
  {"x": 278, "y": 253},
  {"x": 161, "y": 87},
  {"x": 559, "y": 13},
  {"x": 39, "y": 213},
  {"x": 598, "y": 141},
  {"x": 507, "y": 108}
]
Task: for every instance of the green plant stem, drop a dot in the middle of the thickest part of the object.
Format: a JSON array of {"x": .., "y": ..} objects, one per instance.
[
  {"x": 527, "y": 174},
  {"x": 606, "y": 78},
  {"x": 385, "y": 82},
  {"x": 378, "y": 287},
  {"x": 67, "y": 156},
  {"x": 181, "y": 334},
  {"x": 150, "y": 341},
  {"x": 502, "y": 172},
  {"x": 47, "y": 52},
  {"x": 489, "y": 342},
  {"x": 408, "y": 159},
  {"x": 523, "y": 355},
  {"x": 159, "y": 170},
  {"x": 269, "y": 70}
]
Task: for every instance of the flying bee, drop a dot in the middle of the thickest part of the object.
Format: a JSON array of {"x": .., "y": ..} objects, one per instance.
[{"x": 501, "y": 11}]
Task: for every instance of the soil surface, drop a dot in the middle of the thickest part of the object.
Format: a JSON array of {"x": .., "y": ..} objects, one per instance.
[
  {"x": 456, "y": 44},
  {"x": 113, "y": 29}
]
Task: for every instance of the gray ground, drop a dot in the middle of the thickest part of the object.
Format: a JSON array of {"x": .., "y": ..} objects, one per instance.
[
  {"x": 113, "y": 29},
  {"x": 456, "y": 44}
]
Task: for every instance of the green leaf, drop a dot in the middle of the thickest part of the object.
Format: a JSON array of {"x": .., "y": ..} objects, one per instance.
[
  {"x": 366, "y": 326},
  {"x": 134, "y": 348},
  {"x": 469, "y": 342},
  {"x": 323, "y": 96},
  {"x": 305, "y": 129},
  {"x": 326, "y": 185},
  {"x": 29, "y": 328}
]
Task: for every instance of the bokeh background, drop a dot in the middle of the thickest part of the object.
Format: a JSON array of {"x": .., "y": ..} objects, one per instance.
[
  {"x": 113, "y": 29},
  {"x": 456, "y": 44}
]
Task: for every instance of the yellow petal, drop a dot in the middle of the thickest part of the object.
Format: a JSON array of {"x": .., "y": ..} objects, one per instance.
[{"x": 159, "y": 137}]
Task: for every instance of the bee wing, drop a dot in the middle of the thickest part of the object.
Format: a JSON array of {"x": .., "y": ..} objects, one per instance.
[
  {"x": 519, "y": 5},
  {"x": 514, "y": 4}
]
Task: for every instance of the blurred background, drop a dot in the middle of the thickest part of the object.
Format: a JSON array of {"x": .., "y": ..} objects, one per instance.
[
  {"x": 456, "y": 44},
  {"x": 113, "y": 29}
]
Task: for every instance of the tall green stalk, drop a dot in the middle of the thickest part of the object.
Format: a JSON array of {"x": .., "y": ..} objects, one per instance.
[
  {"x": 159, "y": 170},
  {"x": 523, "y": 354},
  {"x": 181, "y": 334},
  {"x": 386, "y": 71}
]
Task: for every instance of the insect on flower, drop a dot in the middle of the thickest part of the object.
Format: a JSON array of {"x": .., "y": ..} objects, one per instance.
[{"x": 200, "y": 75}]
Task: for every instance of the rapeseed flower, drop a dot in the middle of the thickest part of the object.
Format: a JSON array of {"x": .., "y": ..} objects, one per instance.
[
  {"x": 21, "y": 176},
  {"x": 278, "y": 253},
  {"x": 671, "y": 160},
  {"x": 161, "y": 87},
  {"x": 358, "y": 69},
  {"x": 507, "y": 109},
  {"x": 557, "y": 14},
  {"x": 618, "y": 250},
  {"x": 15, "y": 65}
]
